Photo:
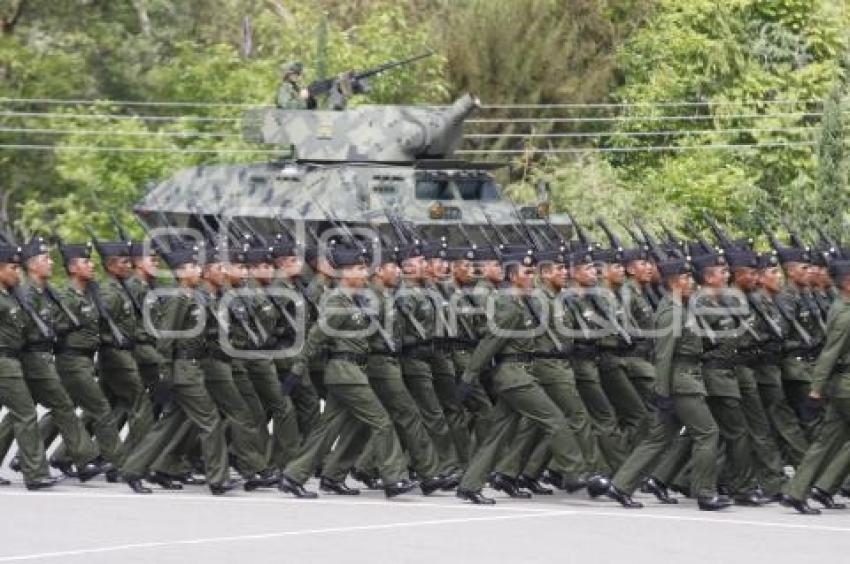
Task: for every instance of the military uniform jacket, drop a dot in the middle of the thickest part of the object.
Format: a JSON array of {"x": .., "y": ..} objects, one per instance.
[
  {"x": 591, "y": 310},
  {"x": 383, "y": 363},
  {"x": 84, "y": 339},
  {"x": 551, "y": 364},
  {"x": 678, "y": 349},
  {"x": 637, "y": 318},
  {"x": 800, "y": 304},
  {"x": 182, "y": 312},
  {"x": 511, "y": 314},
  {"x": 12, "y": 326},
  {"x": 46, "y": 310},
  {"x": 831, "y": 376},
  {"x": 140, "y": 290},
  {"x": 342, "y": 315},
  {"x": 718, "y": 357},
  {"x": 288, "y": 96},
  {"x": 419, "y": 312},
  {"x": 120, "y": 308}
]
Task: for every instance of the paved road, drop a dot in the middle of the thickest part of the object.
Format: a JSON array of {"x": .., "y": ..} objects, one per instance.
[{"x": 104, "y": 523}]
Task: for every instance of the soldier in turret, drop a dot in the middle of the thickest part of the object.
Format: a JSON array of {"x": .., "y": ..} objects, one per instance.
[{"x": 290, "y": 96}]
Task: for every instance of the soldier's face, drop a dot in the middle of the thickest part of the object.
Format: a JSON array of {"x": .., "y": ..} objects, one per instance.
[
  {"x": 189, "y": 274},
  {"x": 771, "y": 279},
  {"x": 262, "y": 273},
  {"x": 462, "y": 271},
  {"x": 354, "y": 276},
  {"x": 414, "y": 268},
  {"x": 40, "y": 266},
  {"x": 438, "y": 268},
  {"x": 640, "y": 271},
  {"x": 585, "y": 274},
  {"x": 843, "y": 284},
  {"x": 523, "y": 277},
  {"x": 821, "y": 276},
  {"x": 235, "y": 273},
  {"x": 798, "y": 273},
  {"x": 716, "y": 276},
  {"x": 215, "y": 274},
  {"x": 148, "y": 265},
  {"x": 615, "y": 273},
  {"x": 746, "y": 278},
  {"x": 290, "y": 266},
  {"x": 554, "y": 274},
  {"x": 82, "y": 269},
  {"x": 118, "y": 267},
  {"x": 388, "y": 274},
  {"x": 9, "y": 274},
  {"x": 492, "y": 271}
]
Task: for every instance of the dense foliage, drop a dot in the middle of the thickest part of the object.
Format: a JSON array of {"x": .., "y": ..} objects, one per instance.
[{"x": 690, "y": 84}]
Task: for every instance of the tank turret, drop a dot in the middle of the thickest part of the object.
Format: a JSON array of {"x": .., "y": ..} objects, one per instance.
[{"x": 386, "y": 134}]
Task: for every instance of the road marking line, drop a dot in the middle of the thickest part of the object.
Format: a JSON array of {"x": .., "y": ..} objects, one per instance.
[
  {"x": 262, "y": 536},
  {"x": 632, "y": 514}
]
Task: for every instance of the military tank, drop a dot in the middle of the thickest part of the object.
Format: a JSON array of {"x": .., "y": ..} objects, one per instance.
[{"x": 352, "y": 166}]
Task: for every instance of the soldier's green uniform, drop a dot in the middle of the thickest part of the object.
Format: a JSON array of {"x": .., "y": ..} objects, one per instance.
[
  {"x": 37, "y": 362},
  {"x": 147, "y": 358},
  {"x": 518, "y": 396},
  {"x": 304, "y": 397},
  {"x": 383, "y": 369},
  {"x": 75, "y": 363},
  {"x": 826, "y": 461},
  {"x": 755, "y": 356},
  {"x": 554, "y": 374},
  {"x": 264, "y": 377},
  {"x": 350, "y": 399},
  {"x": 723, "y": 394},
  {"x": 637, "y": 361},
  {"x": 184, "y": 376},
  {"x": 585, "y": 360},
  {"x": 677, "y": 361},
  {"x": 218, "y": 378},
  {"x": 799, "y": 358},
  {"x": 14, "y": 394},
  {"x": 416, "y": 368},
  {"x": 443, "y": 369},
  {"x": 119, "y": 374}
]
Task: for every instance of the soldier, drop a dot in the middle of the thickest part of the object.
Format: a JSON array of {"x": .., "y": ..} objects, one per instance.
[
  {"x": 519, "y": 395},
  {"x": 830, "y": 386},
  {"x": 75, "y": 350},
  {"x": 554, "y": 373},
  {"x": 139, "y": 285},
  {"x": 583, "y": 299},
  {"x": 343, "y": 329},
  {"x": 418, "y": 351},
  {"x": 265, "y": 312},
  {"x": 14, "y": 394},
  {"x": 182, "y": 314},
  {"x": 757, "y": 352},
  {"x": 290, "y": 96},
  {"x": 384, "y": 371},
  {"x": 119, "y": 374},
  {"x": 39, "y": 368},
  {"x": 289, "y": 263},
  {"x": 723, "y": 396},
  {"x": 679, "y": 399},
  {"x": 788, "y": 365}
]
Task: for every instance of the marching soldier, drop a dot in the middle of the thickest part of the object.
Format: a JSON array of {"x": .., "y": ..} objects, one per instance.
[
  {"x": 14, "y": 394},
  {"x": 828, "y": 454},
  {"x": 679, "y": 398}
]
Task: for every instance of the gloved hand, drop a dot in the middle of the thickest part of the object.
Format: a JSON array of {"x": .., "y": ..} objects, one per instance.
[
  {"x": 289, "y": 383},
  {"x": 811, "y": 409}
]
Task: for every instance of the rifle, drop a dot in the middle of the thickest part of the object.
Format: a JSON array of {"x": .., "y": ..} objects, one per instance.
[
  {"x": 258, "y": 337},
  {"x": 354, "y": 81},
  {"x": 137, "y": 307}
]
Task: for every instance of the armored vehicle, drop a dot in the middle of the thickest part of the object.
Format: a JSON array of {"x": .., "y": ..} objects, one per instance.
[{"x": 348, "y": 166}]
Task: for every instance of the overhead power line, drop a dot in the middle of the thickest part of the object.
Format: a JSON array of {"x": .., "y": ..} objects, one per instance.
[
  {"x": 86, "y": 132},
  {"x": 114, "y": 149}
]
